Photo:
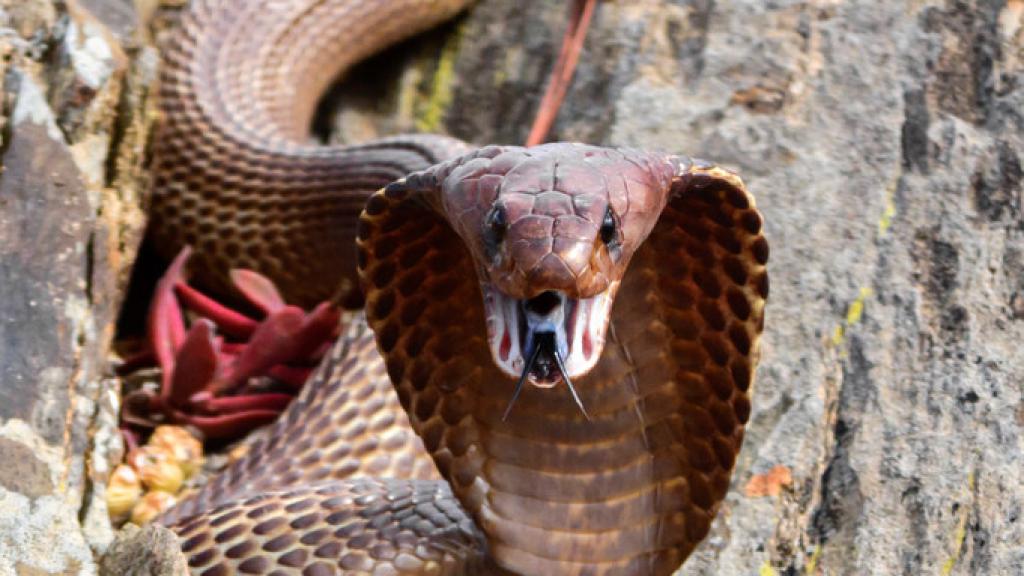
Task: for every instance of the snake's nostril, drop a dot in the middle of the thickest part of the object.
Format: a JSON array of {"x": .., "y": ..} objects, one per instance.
[{"x": 543, "y": 303}]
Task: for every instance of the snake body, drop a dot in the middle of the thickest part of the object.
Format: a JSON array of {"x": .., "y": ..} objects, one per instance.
[
  {"x": 235, "y": 174},
  {"x": 396, "y": 457}
]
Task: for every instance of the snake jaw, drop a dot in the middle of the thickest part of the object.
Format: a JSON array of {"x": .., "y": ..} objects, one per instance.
[{"x": 562, "y": 336}]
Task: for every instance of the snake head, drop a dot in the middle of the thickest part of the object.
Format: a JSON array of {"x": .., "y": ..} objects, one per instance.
[{"x": 551, "y": 230}]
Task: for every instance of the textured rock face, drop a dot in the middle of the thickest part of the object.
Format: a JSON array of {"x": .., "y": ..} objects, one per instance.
[
  {"x": 883, "y": 141},
  {"x": 69, "y": 223},
  {"x": 153, "y": 551}
]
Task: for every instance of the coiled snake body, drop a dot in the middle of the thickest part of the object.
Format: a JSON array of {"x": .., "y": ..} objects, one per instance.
[{"x": 635, "y": 279}]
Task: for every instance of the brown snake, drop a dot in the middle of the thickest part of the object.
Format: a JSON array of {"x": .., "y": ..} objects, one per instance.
[{"x": 476, "y": 268}]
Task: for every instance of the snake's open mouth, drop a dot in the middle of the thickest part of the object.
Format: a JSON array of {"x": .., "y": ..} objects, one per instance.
[{"x": 548, "y": 339}]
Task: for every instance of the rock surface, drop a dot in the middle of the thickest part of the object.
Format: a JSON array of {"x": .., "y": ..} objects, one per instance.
[
  {"x": 882, "y": 140},
  {"x": 70, "y": 219},
  {"x": 150, "y": 551}
]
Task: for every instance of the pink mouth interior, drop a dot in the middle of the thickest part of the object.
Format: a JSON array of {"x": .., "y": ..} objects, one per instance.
[
  {"x": 506, "y": 345},
  {"x": 507, "y": 326}
]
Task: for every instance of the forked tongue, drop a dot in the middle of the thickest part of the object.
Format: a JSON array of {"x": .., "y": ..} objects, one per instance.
[{"x": 545, "y": 346}]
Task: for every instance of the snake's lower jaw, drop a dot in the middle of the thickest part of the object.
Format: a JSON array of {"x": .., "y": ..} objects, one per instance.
[{"x": 569, "y": 333}]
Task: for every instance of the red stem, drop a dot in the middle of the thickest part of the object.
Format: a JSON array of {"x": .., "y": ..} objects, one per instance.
[
  {"x": 292, "y": 376},
  {"x": 226, "y": 319},
  {"x": 580, "y": 14},
  {"x": 142, "y": 359},
  {"x": 237, "y": 404}
]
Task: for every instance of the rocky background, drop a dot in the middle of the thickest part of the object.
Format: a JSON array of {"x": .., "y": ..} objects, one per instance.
[
  {"x": 74, "y": 83},
  {"x": 884, "y": 143}
]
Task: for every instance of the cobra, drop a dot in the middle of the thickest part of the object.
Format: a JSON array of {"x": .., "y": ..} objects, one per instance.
[{"x": 552, "y": 369}]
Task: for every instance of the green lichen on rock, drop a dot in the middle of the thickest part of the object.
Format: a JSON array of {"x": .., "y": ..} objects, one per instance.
[{"x": 431, "y": 111}]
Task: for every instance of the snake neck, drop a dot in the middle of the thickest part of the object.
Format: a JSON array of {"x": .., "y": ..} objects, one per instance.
[
  {"x": 632, "y": 490},
  {"x": 261, "y": 68},
  {"x": 234, "y": 172}
]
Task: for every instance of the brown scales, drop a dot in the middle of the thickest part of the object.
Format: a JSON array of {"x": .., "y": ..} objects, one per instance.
[
  {"x": 234, "y": 173},
  {"x": 635, "y": 489},
  {"x": 630, "y": 492},
  {"x": 360, "y": 526}
]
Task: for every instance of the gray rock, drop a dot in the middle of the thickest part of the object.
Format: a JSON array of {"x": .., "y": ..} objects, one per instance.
[
  {"x": 46, "y": 330},
  {"x": 39, "y": 532},
  {"x": 69, "y": 224},
  {"x": 149, "y": 551}
]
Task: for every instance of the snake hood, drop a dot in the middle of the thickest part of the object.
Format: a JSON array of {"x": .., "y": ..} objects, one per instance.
[{"x": 635, "y": 278}]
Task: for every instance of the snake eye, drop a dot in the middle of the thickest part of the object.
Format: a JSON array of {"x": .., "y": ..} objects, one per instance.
[
  {"x": 495, "y": 227},
  {"x": 608, "y": 228},
  {"x": 497, "y": 223}
]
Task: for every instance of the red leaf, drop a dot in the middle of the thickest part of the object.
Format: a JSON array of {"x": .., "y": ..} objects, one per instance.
[
  {"x": 319, "y": 327},
  {"x": 258, "y": 289},
  {"x": 197, "y": 363},
  {"x": 273, "y": 342},
  {"x": 166, "y": 326},
  {"x": 292, "y": 376},
  {"x": 227, "y": 320},
  {"x": 142, "y": 359},
  {"x": 229, "y": 425},
  {"x": 233, "y": 348},
  {"x": 233, "y": 404},
  {"x": 322, "y": 351}
]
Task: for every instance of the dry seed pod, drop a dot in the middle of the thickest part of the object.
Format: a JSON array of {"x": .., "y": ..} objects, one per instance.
[
  {"x": 157, "y": 467},
  {"x": 123, "y": 491},
  {"x": 185, "y": 447},
  {"x": 151, "y": 505}
]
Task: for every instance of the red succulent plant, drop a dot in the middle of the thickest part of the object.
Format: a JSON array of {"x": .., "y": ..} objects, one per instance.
[{"x": 211, "y": 366}]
